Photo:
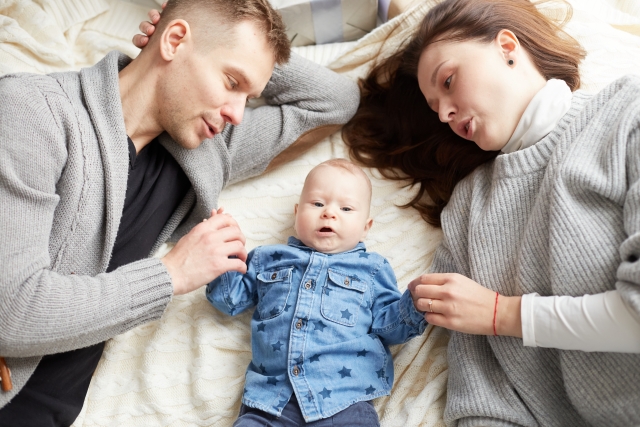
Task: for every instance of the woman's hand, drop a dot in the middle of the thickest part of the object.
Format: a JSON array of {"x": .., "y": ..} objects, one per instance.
[
  {"x": 147, "y": 28},
  {"x": 456, "y": 302}
]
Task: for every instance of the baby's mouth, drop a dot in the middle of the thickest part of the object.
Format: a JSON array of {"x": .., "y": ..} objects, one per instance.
[{"x": 326, "y": 230}]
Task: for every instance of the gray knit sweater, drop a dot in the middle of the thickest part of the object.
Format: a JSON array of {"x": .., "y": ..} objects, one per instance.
[
  {"x": 559, "y": 218},
  {"x": 63, "y": 177}
]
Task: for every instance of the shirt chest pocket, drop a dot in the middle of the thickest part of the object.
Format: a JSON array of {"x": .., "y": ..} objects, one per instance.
[
  {"x": 342, "y": 297},
  {"x": 274, "y": 287}
]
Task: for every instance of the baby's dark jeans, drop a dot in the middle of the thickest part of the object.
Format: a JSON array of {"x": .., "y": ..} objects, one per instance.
[{"x": 361, "y": 414}]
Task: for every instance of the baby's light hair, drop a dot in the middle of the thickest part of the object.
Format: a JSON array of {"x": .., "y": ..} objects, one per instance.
[{"x": 347, "y": 165}]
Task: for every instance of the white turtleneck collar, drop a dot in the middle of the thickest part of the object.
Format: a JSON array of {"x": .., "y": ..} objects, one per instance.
[{"x": 542, "y": 114}]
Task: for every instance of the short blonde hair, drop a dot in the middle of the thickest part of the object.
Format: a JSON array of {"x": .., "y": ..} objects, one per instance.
[{"x": 219, "y": 17}]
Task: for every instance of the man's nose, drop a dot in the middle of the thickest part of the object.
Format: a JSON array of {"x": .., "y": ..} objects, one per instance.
[{"x": 233, "y": 111}]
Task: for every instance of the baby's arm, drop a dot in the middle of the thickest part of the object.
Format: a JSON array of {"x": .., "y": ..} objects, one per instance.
[
  {"x": 233, "y": 292},
  {"x": 395, "y": 318}
]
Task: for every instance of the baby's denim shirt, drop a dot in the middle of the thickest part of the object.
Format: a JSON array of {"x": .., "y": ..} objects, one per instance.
[{"x": 322, "y": 326}]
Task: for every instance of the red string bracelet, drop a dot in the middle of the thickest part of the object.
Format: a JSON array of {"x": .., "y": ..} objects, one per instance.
[{"x": 495, "y": 312}]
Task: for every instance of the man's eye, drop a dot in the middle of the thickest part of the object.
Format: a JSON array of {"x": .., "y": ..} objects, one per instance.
[
  {"x": 447, "y": 82},
  {"x": 318, "y": 204},
  {"x": 346, "y": 209}
]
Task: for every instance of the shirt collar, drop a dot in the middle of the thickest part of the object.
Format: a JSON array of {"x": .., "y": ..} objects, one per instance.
[
  {"x": 292, "y": 241},
  {"x": 542, "y": 114}
]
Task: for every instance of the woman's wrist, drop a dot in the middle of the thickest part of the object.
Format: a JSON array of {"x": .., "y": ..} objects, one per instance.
[{"x": 508, "y": 317}]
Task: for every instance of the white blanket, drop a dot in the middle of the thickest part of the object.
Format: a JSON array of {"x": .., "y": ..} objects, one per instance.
[{"x": 188, "y": 368}]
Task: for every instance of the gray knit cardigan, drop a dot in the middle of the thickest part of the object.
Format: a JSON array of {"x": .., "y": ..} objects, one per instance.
[
  {"x": 559, "y": 218},
  {"x": 63, "y": 178}
]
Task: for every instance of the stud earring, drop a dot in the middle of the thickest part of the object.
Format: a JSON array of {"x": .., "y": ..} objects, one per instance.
[{"x": 510, "y": 62}]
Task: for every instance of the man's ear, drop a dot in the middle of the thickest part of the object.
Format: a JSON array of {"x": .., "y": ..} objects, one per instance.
[
  {"x": 508, "y": 43},
  {"x": 175, "y": 35},
  {"x": 367, "y": 227}
]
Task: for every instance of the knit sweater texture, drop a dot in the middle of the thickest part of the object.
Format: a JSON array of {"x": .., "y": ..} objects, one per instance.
[
  {"x": 63, "y": 177},
  {"x": 559, "y": 218}
]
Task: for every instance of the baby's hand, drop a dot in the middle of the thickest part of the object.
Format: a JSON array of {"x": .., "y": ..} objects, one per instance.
[{"x": 147, "y": 28}]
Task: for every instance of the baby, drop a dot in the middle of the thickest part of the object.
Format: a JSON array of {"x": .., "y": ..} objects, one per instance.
[{"x": 326, "y": 311}]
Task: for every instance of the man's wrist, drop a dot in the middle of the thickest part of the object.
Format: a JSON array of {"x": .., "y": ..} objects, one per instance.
[{"x": 178, "y": 288}]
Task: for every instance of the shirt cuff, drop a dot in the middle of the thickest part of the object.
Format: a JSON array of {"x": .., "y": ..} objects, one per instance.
[
  {"x": 527, "y": 316},
  {"x": 409, "y": 314}
]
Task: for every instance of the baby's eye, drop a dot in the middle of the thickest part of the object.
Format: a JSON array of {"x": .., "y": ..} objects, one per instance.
[
  {"x": 447, "y": 82},
  {"x": 318, "y": 204},
  {"x": 346, "y": 209},
  {"x": 233, "y": 83}
]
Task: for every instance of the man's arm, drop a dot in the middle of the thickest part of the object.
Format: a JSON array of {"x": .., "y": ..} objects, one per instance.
[
  {"x": 305, "y": 103},
  {"x": 43, "y": 311}
]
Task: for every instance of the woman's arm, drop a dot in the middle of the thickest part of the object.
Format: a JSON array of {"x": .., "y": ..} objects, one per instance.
[{"x": 600, "y": 322}]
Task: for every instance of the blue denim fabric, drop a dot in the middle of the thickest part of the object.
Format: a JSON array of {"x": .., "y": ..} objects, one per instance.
[
  {"x": 321, "y": 327},
  {"x": 360, "y": 414}
]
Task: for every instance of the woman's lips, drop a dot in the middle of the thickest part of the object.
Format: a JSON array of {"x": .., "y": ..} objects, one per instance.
[{"x": 466, "y": 128}]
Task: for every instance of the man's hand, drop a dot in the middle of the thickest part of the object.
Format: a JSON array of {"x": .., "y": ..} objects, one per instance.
[
  {"x": 147, "y": 28},
  {"x": 211, "y": 248}
]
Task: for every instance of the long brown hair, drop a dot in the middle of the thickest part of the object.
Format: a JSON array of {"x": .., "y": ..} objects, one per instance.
[{"x": 395, "y": 131}]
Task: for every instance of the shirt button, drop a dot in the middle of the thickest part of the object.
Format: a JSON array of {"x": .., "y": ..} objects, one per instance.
[
  {"x": 308, "y": 284},
  {"x": 296, "y": 371},
  {"x": 273, "y": 276},
  {"x": 346, "y": 281},
  {"x": 299, "y": 324}
]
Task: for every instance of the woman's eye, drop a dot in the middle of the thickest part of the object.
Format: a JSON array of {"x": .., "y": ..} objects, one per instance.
[
  {"x": 346, "y": 209},
  {"x": 318, "y": 204},
  {"x": 447, "y": 82}
]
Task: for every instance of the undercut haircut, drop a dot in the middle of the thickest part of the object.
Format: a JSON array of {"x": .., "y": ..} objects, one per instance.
[{"x": 213, "y": 21}]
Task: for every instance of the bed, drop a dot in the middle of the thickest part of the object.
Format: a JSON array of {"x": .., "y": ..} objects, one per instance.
[{"x": 187, "y": 369}]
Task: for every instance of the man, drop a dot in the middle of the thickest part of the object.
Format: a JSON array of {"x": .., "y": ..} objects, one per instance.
[{"x": 99, "y": 168}]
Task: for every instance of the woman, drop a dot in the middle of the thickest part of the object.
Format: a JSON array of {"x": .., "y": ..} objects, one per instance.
[{"x": 546, "y": 202}]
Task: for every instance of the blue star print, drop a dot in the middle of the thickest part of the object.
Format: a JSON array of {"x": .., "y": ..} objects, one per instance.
[
  {"x": 276, "y": 256},
  {"x": 274, "y": 311},
  {"x": 325, "y": 393},
  {"x": 280, "y": 404},
  {"x": 319, "y": 325},
  {"x": 261, "y": 326},
  {"x": 370, "y": 390},
  {"x": 362, "y": 353},
  {"x": 327, "y": 291},
  {"x": 272, "y": 381},
  {"x": 380, "y": 373},
  {"x": 287, "y": 307},
  {"x": 346, "y": 314},
  {"x": 363, "y": 255},
  {"x": 344, "y": 372},
  {"x": 314, "y": 358},
  {"x": 310, "y": 396},
  {"x": 276, "y": 346},
  {"x": 262, "y": 369}
]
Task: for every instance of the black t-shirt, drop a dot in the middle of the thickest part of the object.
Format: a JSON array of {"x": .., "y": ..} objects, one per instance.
[{"x": 54, "y": 394}]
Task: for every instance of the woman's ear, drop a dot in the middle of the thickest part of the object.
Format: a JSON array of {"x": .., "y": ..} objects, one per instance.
[
  {"x": 175, "y": 35},
  {"x": 509, "y": 45}
]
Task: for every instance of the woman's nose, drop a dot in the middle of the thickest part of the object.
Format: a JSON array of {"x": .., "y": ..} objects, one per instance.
[{"x": 446, "y": 112}]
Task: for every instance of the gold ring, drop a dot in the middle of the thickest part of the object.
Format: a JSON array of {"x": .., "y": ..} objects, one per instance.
[{"x": 430, "y": 306}]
